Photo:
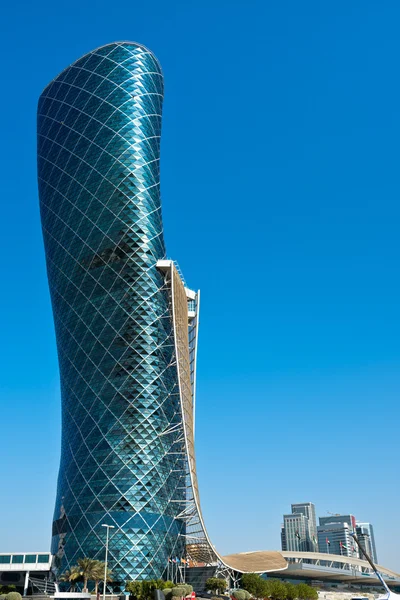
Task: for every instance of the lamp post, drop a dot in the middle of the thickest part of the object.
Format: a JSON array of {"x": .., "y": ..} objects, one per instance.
[{"x": 105, "y": 562}]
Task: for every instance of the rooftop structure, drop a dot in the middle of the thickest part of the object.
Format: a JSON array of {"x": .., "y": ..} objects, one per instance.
[{"x": 349, "y": 519}]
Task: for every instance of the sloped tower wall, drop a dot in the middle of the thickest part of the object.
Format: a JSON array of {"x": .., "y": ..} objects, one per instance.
[{"x": 99, "y": 126}]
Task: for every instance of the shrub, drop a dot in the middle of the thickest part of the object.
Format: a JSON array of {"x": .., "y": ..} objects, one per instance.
[
  {"x": 215, "y": 584},
  {"x": 254, "y": 585},
  {"x": 277, "y": 589},
  {"x": 179, "y": 591},
  {"x": 3, "y": 596},
  {"x": 306, "y": 592},
  {"x": 134, "y": 588},
  {"x": 239, "y": 594},
  {"x": 144, "y": 590},
  {"x": 148, "y": 587},
  {"x": 176, "y": 597},
  {"x": 291, "y": 591},
  {"x": 14, "y": 596},
  {"x": 167, "y": 584}
]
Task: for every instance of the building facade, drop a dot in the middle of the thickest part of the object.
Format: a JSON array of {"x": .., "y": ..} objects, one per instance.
[
  {"x": 308, "y": 510},
  {"x": 367, "y": 528},
  {"x": 283, "y": 538},
  {"x": 364, "y": 541},
  {"x": 126, "y": 325},
  {"x": 299, "y": 529},
  {"x": 335, "y": 538},
  {"x": 295, "y": 536},
  {"x": 349, "y": 519},
  {"x": 338, "y": 530}
]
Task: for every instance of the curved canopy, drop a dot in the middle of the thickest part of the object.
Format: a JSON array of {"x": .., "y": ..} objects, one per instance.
[{"x": 256, "y": 562}]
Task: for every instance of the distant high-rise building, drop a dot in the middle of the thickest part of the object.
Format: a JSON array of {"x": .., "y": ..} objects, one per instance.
[
  {"x": 349, "y": 519},
  {"x": 283, "y": 538},
  {"x": 368, "y": 528},
  {"x": 335, "y": 538},
  {"x": 308, "y": 510},
  {"x": 364, "y": 540},
  {"x": 295, "y": 534}
]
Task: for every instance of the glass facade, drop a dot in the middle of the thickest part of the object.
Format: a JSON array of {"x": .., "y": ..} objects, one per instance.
[
  {"x": 296, "y": 533},
  {"x": 43, "y": 558},
  {"x": 99, "y": 125},
  {"x": 368, "y": 528},
  {"x": 308, "y": 510}
]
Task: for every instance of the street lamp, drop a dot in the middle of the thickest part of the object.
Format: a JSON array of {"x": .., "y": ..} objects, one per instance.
[{"x": 105, "y": 562}]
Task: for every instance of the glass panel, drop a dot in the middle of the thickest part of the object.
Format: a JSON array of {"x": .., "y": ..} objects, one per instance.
[
  {"x": 30, "y": 558},
  {"x": 5, "y": 559},
  {"x": 43, "y": 558},
  {"x": 19, "y": 558}
]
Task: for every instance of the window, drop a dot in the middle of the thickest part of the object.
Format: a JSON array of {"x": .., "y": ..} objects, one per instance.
[
  {"x": 18, "y": 558},
  {"x": 5, "y": 559},
  {"x": 8, "y": 577},
  {"x": 30, "y": 558},
  {"x": 43, "y": 558}
]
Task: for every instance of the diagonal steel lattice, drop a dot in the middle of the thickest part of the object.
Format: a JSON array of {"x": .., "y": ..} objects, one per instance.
[
  {"x": 99, "y": 126},
  {"x": 126, "y": 326}
]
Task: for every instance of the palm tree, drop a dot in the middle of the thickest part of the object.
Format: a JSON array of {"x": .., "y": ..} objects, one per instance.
[
  {"x": 71, "y": 576},
  {"x": 98, "y": 574},
  {"x": 87, "y": 569}
]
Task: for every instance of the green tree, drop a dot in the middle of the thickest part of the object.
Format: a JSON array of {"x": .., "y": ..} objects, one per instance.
[
  {"x": 276, "y": 589},
  {"x": 167, "y": 593},
  {"x": 291, "y": 591},
  {"x": 255, "y": 585},
  {"x": 98, "y": 574},
  {"x": 72, "y": 576},
  {"x": 148, "y": 587},
  {"x": 135, "y": 589},
  {"x": 87, "y": 570},
  {"x": 215, "y": 584},
  {"x": 306, "y": 592}
]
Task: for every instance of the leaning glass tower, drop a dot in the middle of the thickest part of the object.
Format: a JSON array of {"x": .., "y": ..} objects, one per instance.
[
  {"x": 123, "y": 461},
  {"x": 126, "y": 325}
]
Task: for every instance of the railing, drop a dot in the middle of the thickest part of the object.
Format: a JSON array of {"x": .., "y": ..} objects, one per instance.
[
  {"x": 177, "y": 267},
  {"x": 42, "y": 587}
]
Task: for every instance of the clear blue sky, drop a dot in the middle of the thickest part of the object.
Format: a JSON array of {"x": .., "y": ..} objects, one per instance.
[{"x": 280, "y": 185}]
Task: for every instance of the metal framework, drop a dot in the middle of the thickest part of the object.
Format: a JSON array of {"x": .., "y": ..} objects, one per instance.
[
  {"x": 185, "y": 311},
  {"x": 198, "y": 547},
  {"x": 330, "y": 566}
]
